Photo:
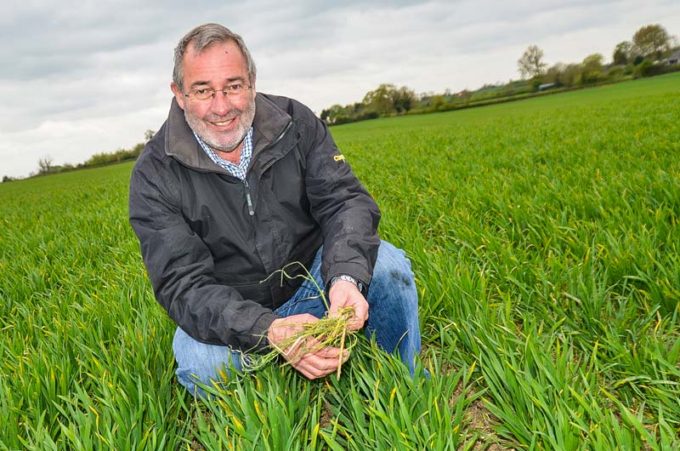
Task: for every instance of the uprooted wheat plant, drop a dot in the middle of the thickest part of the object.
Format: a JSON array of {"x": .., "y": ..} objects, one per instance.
[{"x": 330, "y": 331}]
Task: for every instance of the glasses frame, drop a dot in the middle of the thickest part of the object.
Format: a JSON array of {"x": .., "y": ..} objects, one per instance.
[{"x": 228, "y": 91}]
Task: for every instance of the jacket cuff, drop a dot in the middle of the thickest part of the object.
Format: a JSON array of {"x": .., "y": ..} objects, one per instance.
[
  {"x": 259, "y": 330},
  {"x": 355, "y": 271},
  {"x": 358, "y": 283}
]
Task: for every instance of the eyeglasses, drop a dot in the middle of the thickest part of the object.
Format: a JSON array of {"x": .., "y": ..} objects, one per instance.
[{"x": 232, "y": 90}]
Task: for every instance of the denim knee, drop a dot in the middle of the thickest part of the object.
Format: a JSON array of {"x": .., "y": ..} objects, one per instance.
[
  {"x": 394, "y": 288},
  {"x": 393, "y": 271},
  {"x": 393, "y": 305},
  {"x": 203, "y": 363}
]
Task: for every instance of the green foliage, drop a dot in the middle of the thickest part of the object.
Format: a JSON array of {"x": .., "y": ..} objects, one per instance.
[
  {"x": 337, "y": 114},
  {"x": 544, "y": 235},
  {"x": 592, "y": 68},
  {"x": 572, "y": 75},
  {"x": 648, "y": 69},
  {"x": 380, "y": 99},
  {"x": 385, "y": 100},
  {"x": 651, "y": 41},
  {"x": 616, "y": 73},
  {"x": 545, "y": 239},
  {"x": 622, "y": 53},
  {"x": 85, "y": 362},
  {"x": 100, "y": 159},
  {"x": 531, "y": 62}
]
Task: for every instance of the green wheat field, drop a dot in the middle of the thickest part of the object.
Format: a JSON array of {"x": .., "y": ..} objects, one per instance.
[{"x": 545, "y": 238}]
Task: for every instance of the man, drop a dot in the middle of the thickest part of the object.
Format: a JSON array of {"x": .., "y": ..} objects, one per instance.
[{"x": 235, "y": 186}]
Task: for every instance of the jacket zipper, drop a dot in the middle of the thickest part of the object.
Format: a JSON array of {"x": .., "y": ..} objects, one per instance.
[{"x": 249, "y": 201}]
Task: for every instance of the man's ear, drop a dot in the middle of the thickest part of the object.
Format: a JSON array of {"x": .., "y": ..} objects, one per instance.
[{"x": 179, "y": 95}]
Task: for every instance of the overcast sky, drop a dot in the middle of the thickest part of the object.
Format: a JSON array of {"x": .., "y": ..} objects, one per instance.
[{"x": 82, "y": 77}]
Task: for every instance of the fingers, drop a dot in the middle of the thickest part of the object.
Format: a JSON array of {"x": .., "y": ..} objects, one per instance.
[
  {"x": 310, "y": 347},
  {"x": 329, "y": 353},
  {"x": 298, "y": 350},
  {"x": 321, "y": 363},
  {"x": 314, "y": 361},
  {"x": 308, "y": 355},
  {"x": 282, "y": 328},
  {"x": 360, "y": 316},
  {"x": 346, "y": 294}
]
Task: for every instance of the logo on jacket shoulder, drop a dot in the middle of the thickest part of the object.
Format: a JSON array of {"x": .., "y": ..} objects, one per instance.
[{"x": 338, "y": 158}]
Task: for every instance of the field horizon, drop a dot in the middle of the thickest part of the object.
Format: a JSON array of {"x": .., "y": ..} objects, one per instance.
[{"x": 544, "y": 235}]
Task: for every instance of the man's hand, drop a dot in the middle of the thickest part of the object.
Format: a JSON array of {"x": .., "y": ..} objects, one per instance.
[
  {"x": 346, "y": 294},
  {"x": 312, "y": 365}
]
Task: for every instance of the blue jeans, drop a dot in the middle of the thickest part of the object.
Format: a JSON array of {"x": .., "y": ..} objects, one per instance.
[{"x": 392, "y": 319}]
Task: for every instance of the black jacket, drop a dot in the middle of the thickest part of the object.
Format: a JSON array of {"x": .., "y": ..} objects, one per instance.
[{"x": 208, "y": 252}]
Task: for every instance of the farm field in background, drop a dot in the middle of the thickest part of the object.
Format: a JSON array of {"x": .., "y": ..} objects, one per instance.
[{"x": 545, "y": 238}]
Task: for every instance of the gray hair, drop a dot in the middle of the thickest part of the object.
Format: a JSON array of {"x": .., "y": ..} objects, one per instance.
[{"x": 202, "y": 37}]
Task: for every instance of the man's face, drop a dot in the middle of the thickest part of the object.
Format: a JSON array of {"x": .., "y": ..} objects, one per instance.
[{"x": 222, "y": 121}]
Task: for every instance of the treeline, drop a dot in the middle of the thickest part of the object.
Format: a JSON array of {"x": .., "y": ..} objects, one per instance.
[
  {"x": 650, "y": 52},
  {"x": 383, "y": 101},
  {"x": 46, "y": 164}
]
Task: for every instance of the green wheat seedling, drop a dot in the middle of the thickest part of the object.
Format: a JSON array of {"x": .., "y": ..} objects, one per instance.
[
  {"x": 545, "y": 240},
  {"x": 329, "y": 331}
]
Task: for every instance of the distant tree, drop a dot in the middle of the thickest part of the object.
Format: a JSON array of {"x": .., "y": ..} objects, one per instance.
[
  {"x": 336, "y": 114},
  {"x": 554, "y": 74},
  {"x": 464, "y": 94},
  {"x": 531, "y": 63},
  {"x": 136, "y": 150},
  {"x": 7, "y": 178},
  {"x": 325, "y": 113},
  {"x": 571, "y": 74},
  {"x": 403, "y": 99},
  {"x": 652, "y": 41},
  {"x": 148, "y": 135},
  {"x": 592, "y": 68},
  {"x": 616, "y": 73},
  {"x": 45, "y": 165},
  {"x": 622, "y": 53},
  {"x": 380, "y": 99},
  {"x": 437, "y": 102},
  {"x": 644, "y": 69}
]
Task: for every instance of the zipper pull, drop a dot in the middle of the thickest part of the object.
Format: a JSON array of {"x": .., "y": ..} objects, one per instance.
[{"x": 249, "y": 201}]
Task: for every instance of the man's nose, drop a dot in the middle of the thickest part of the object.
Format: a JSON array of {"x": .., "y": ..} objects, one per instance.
[{"x": 221, "y": 103}]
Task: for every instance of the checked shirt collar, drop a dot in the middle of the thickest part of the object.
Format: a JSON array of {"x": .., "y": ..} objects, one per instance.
[{"x": 237, "y": 170}]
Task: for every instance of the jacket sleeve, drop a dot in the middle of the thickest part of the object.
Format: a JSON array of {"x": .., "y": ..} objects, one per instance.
[
  {"x": 347, "y": 214},
  {"x": 181, "y": 267}
]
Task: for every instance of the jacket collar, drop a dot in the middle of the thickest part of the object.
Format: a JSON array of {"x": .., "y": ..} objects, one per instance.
[{"x": 269, "y": 123}]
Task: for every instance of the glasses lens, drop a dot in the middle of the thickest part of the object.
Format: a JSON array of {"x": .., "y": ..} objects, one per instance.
[{"x": 202, "y": 94}]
